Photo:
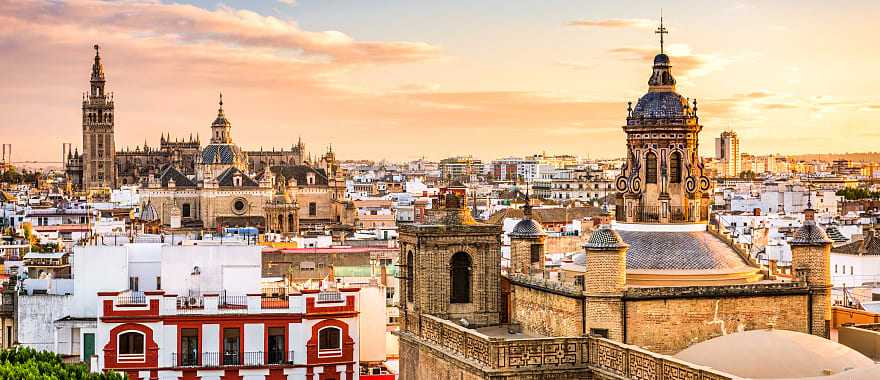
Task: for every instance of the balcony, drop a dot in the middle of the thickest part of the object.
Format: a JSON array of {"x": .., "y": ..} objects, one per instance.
[
  {"x": 659, "y": 214},
  {"x": 232, "y": 359}
]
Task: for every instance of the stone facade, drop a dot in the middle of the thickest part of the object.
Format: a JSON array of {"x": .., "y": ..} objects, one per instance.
[
  {"x": 99, "y": 144},
  {"x": 540, "y": 312},
  {"x": 669, "y": 325}
]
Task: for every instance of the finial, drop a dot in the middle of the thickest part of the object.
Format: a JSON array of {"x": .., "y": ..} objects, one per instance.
[
  {"x": 97, "y": 49},
  {"x": 629, "y": 108},
  {"x": 661, "y": 31},
  {"x": 695, "y": 106},
  {"x": 221, "y": 100}
]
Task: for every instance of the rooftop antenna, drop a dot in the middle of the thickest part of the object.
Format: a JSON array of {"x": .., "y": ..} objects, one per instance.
[{"x": 661, "y": 31}]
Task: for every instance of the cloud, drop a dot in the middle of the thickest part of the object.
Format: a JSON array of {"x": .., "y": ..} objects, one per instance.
[
  {"x": 684, "y": 62},
  {"x": 288, "y": 2},
  {"x": 191, "y": 25},
  {"x": 615, "y": 23}
]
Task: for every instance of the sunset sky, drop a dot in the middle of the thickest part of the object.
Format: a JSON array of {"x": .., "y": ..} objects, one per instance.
[{"x": 402, "y": 79}]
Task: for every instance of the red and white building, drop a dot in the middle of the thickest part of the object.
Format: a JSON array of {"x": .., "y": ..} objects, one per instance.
[{"x": 311, "y": 335}]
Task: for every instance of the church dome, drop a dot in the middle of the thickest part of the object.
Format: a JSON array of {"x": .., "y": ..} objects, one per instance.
[
  {"x": 660, "y": 105},
  {"x": 221, "y": 154},
  {"x": 527, "y": 228},
  {"x": 148, "y": 213},
  {"x": 774, "y": 354}
]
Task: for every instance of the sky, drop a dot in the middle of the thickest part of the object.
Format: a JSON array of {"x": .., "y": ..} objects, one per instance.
[{"x": 400, "y": 80}]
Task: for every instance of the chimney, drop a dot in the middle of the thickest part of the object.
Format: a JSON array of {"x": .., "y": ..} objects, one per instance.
[
  {"x": 773, "y": 268},
  {"x": 384, "y": 274},
  {"x": 756, "y": 211}
]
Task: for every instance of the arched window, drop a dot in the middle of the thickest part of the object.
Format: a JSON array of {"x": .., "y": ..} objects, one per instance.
[
  {"x": 650, "y": 168},
  {"x": 290, "y": 223},
  {"x": 410, "y": 276},
  {"x": 131, "y": 345},
  {"x": 675, "y": 168},
  {"x": 280, "y": 225},
  {"x": 460, "y": 278},
  {"x": 186, "y": 211},
  {"x": 329, "y": 341}
]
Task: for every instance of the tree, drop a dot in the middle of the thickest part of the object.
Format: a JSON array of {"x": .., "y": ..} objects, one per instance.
[
  {"x": 27, "y": 363},
  {"x": 748, "y": 174}
]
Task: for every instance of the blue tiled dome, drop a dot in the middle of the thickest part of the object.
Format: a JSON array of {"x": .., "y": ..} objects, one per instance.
[
  {"x": 527, "y": 228},
  {"x": 660, "y": 105},
  {"x": 227, "y": 153}
]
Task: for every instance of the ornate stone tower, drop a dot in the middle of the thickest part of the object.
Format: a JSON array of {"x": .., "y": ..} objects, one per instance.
[
  {"x": 604, "y": 282},
  {"x": 449, "y": 265},
  {"x": 811, "y": 261},
  {"x": 662, "y": 180},
  {"x": 99, "y": 147},
  {"x": 527, "y": 245}
]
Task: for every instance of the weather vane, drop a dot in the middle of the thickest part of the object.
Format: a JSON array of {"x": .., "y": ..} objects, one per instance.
[{"x": 661, "y": 31}]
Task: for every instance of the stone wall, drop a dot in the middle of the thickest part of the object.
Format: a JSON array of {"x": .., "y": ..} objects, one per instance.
[
  {"x": 443, "y": 350},
  {"x": 539, "y": 311},
  {"x": 565, "y": 244},
  {"x": 672, "y": 324}
]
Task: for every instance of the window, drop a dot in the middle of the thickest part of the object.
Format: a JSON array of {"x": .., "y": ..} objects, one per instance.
[
  {"x": 186, "y": 210},
  {"x": 410, "y": 275},
  {"x": 231, "y": 346},
  {"x": 133, "y": 284},
  {"x": 276, "y": 345},
  {"x": 131, "y": 345},
  {"x": 675, "y": 168},
  {"x": 535, "y": 254},
  {"x": 330, "y": 341},
  {"x": 158, "y": 282},
  {"x": 460, "y": 277},
  {"x": 650, "y": 168},
  {"x": 313, "y": 209},
  {"x": 599, "y": 332},
  {"x": 189, "y": 347},
  {"x": 835, "y": 268}
]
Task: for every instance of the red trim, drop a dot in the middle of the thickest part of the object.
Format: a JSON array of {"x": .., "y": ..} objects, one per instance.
[
  {"x": 154, "y": 292},
  {"x": 108, "y": 294},
  {"x": 212, "y": 318},
  {"x": 348, "y": 290},
  {"x": 151, "y": 349},
  {"x": 198, "y": 328},
  {"x": 110, "y": 311},
  {"x": 347, "y": 344},
  {"x": 310, "y": 291},
  {"x": 324, "y": 310}
]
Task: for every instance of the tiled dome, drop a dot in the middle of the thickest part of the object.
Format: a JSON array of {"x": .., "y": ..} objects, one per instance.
[{"x": 527, "y": 228}]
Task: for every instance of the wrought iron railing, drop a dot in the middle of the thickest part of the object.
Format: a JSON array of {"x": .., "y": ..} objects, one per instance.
[
  {"x": 232, "y": 359},
  {"x": 131, "y": 298},
  {"x": 232, "y": 302},
  {"x": 329, "y": 296},
  {"x": 646, "y": 214}
]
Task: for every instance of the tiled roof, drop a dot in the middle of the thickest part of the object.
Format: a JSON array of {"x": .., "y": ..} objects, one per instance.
[
  {"x": 299, "y": 173},
  {"x": 605, "y": 238},
  {"x": 660, "y": 105},
  {"x": 810, "y": 234},
  {"x": 546, "y": 216},
  {"x": 527, "y": 228},
  {"x": 225, "y": 179},
  {"x": 227, "y": 153},
  {"x": 148, "y": 213},
  {"x": 870, "y": 245},
  {"x": 678, "y": 250},
  {"x": 180, "y": 180},
  {"x": 835, "y": 235}
]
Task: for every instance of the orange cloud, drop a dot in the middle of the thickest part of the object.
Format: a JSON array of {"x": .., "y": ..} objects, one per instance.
[
  {"x": 615, "y": 23},
  {"x": 684, "y": 62}
]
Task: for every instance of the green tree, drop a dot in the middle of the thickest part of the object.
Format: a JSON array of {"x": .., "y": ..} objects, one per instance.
[{"x": 27, "y": 363}]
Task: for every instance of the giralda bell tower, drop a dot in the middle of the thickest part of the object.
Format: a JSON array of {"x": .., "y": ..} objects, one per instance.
[{"x": 99, "y": 147}]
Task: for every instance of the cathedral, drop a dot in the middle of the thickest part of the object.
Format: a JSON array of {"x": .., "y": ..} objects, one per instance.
[
  {"x": 652, "y": 282},
  {"x": 190, "y": 186}
]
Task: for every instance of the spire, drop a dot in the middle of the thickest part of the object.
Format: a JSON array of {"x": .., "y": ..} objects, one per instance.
[
  {"x": 661, "y": 31},
  {"x": 661, "y": 78},
  {"x": 97, "y": 67},
  {"x": 220, "y": 110}
]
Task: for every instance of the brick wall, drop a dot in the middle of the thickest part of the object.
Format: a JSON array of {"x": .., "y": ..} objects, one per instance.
[
  {"x": 670, "y": 325},
  {"x": 547, "y": 313}
]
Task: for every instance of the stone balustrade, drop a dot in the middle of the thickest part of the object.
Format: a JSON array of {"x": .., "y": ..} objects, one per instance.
[{"x": 607, "y": 359}]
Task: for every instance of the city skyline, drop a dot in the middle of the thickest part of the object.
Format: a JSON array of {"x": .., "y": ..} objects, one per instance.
[{"x": 555, "y": 77}]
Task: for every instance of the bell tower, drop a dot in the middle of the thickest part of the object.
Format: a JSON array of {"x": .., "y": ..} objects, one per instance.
[
  {"x": 99, "y": 146},
  {"x": 662, "y": 180},
  {"x": 449, "y": 266}
]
